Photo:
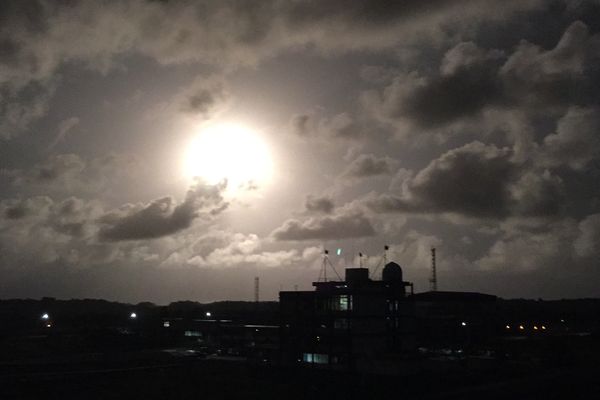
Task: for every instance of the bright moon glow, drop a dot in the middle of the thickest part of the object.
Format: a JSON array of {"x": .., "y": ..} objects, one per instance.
[{"x": 230, "y": 152}]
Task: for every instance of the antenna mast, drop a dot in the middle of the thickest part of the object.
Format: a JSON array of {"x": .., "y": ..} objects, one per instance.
[
  {"x": 433, "y": 279},
  {"x": 384, "y": 259},
  {"x": 323, "y": 273},
  {"x": 256, "y": 289}
]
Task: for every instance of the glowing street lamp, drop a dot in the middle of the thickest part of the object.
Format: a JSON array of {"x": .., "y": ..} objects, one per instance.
[
  {"x": 133, "y": 315},
  {"x": 208, "y": 314},
  {"x": 45, "y": 316}
]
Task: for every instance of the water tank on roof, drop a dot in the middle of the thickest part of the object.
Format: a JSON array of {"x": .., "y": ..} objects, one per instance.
[
  {"x": 392, "y": 272},
  {"x": 357, "y": 274}
]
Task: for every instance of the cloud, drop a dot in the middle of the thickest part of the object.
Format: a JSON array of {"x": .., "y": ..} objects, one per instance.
[
  {"x": 38, "y": 230},
  {"x": 39, "y": 37},
  {"x": 559, "y": 76},
  {"x": 472, "y": 180},
  {"x": 64, "y": 128},
  {"x": 340, "y": 126},
  {"x": 587, "y": 242},
  {"x": 20, "y": 107},
  {"x": 478, "y": 181},
  {"x": 576, "y": 141},
  {"x": 60, "y": 167},
  {"x": 204, "y": 97},
  {"x": 319, "y": 205},
  {"x": 472, "y": 80},
  {"x": 466, "y": 72},
  {"x": 529, "y": 249},
  {"x": 369, "y": 165},
  {"x": 537, "y": 194},
  {"x": 349, "y": 224},
  {"x": 220, "y": 249},
  {"x": 17, "y": 209},
  {"x": 163, "y": 217}
]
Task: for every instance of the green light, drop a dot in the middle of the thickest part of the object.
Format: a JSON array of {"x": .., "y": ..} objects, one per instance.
[{"x": 339, "y": 251}]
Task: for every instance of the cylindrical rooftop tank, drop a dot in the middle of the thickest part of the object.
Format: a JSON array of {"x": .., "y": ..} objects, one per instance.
[{"x": 392, "y": 272}]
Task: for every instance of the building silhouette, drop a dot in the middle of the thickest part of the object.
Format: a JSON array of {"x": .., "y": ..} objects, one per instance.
[
  {"x": 350, "y": 323},
  {"x": 375, "y": 325}
]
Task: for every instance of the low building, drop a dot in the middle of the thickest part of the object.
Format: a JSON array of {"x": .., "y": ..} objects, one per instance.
[{"x": 455, "y": 320}]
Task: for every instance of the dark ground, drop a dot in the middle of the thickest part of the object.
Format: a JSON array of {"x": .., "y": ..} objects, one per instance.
[{"x": 157, "y": 375}]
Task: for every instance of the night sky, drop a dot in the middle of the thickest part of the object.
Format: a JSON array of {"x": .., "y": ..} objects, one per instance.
[{"x": 174, "y": 150}]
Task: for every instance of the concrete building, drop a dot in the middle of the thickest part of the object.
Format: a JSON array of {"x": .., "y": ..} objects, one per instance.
[{"x": 350, "y": 323}]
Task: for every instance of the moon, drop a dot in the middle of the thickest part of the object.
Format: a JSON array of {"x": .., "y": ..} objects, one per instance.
[{"x": 230, "y": 152}]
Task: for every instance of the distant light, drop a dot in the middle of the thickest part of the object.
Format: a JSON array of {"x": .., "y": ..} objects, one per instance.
[
  {"x": 507, "y": 326},
  {"x": 535, "y": 328},
  {"x": 521, "y": 327},
  {"x": 339, "y": 251},
  {"x": 166, "y": 324},
  {"x": 45, "y": 316},
  {"x": 562, "y": 320},
  {"x": 48, "y": 325},
  {"x": 463, "y": 323},
  {"x": 208, "y": 314},
  {"x": 543, "y": 328},
  {"x": 133, "y": 315}
]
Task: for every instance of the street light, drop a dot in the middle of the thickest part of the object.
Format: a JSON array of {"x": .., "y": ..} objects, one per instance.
[{"x": 133, "y": 315}]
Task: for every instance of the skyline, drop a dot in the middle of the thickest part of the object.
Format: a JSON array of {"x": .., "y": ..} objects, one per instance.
[{"x": 163, "y": 151}]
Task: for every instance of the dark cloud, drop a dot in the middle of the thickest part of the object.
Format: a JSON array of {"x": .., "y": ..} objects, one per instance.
[
  {"x": 470, "y": 180},
  {"x": 559, "y": 76},
  {"x": 340, "y": 126},
  {"x": 471, "y": 80},
  {"x": 345, "y": 225},
  {"x": 16, "y": 212},
  {"x": 476, "y": 180},
  {"x": 162, "y": 217},
  {"x": 204, "y": 97},
  {"x": 368, "y": 165},
  {"x": 319, "y": 204},
  {"x": 16, "y": 209}
]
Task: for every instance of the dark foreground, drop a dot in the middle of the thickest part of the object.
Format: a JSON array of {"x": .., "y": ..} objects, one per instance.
[{"x": 177, "y": 375}]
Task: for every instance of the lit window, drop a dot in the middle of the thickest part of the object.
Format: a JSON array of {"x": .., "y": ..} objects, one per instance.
[
  {"x": 345, "y": 302},
  {"x": 315, "y": 358}
]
